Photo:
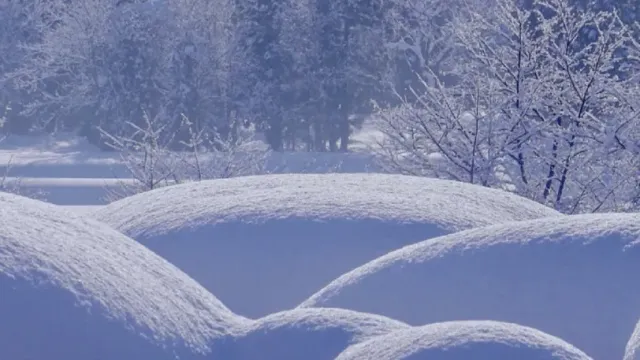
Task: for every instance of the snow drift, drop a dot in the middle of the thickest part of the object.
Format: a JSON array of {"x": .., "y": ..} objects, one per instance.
[
  {"x": 75, "y": 289},
  {"x": 571, "y": 276},
  {"x": 279, "y": 238},
  {"x": 310, "y": 334},
  {"x": 632, "y": 351},
  {"x": 464, "y": 340}
]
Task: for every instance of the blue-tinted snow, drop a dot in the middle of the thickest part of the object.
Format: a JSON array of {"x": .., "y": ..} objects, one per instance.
[
  {"x": 464, "y": 340},
  {"x": 574, "y": 277},
  {"x": 75, "y": 289},
  {"x": 280, "y": 238}
]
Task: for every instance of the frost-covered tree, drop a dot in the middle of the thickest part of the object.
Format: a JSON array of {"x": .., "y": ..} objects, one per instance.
[
  {"x": 538, "y": 106},
  {"x": 449, "y": 132},
  {"x": 417, "y": 42},
  {"x": 151, "y": 163},
  {"x": 497, "y": 77},
  {"x": 97, "y": 67},
  {"x": 310, "y": 64},
  {"x": 206, "y": 65},
  {"x": 296, "y": 89},
  {"x": 111, "y": 62},
  {"x": 266, "y": 65},
  {"x": 298, "y": 70},
  {"x": 145, "y": 153},
  {"x": 22, "y": 23},
  {"x": 347, "y": 67},
  {"x": 587, "y": 52},
  {"x": 129, "y": 67}
]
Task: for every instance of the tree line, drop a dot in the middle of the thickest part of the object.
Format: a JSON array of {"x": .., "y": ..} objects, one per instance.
[
  {"x": 538, "y": 97},
  {"x": 297, "y": 70},
  {"x": 543, "y": 100}
]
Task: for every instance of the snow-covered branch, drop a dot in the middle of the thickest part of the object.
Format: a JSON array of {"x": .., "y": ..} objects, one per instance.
[
  {"x": 152, "y": 163},
  {"x": 212, "y": 155},
  {"x": 544, "y": 103},
  {"x": 144, "y": 152}
]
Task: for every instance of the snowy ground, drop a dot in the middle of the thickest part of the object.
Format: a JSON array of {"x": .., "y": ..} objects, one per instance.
[
  {"x": 464, "y": 340},
  {"x": 559, "y": 274},
  {"x": 401, "y": 267},
  {"x": 69, "y": 171},
  {"x": 66, "y": 279},
  {"x": 273, "y": 236}
]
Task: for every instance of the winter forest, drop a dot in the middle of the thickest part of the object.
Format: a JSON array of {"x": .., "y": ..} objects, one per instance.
[{"x": 537, "y": 97}]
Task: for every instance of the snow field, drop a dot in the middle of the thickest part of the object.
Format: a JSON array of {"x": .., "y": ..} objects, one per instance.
[
  {"x": 464, "y": 340},
  {"x": 445, "y": 257},
  {"x": 280, "y": 238},
  {"x": 73, "y": 288},
  {"x": 310, "y": 334},
  {"x": 570, "y": 276},
  {"x": 66, "y": 170}
]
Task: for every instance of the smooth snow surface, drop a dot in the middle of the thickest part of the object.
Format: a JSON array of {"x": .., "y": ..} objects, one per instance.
[
  {"x": 75, "y": 289},
  {"x": 279, "y": 238},
  {"x": 574, "y": 277},
  {"x": 309, "y": 334},
  {"x": 81, "y": 209},
  {"x": 465, "y": 340},
  {"x": 67, "y": 156},
  {"x": 632, "y": 352},
  {"x": 68, "y": 191}
]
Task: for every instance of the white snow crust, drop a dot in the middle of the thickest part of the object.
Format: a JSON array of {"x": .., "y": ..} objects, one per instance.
[
  {"x": 571, "y": 276},
  {"x": 82, "y": 209},
  {"x": 310, "y": 334},
  {"x": 72, "y": 288},
  {"x": 632, "y": 351},
  {"x": 464, "y": 340},
  {"x": 279, "y": 238}
]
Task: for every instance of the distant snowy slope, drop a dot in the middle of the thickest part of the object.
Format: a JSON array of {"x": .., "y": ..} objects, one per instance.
[
  {"x": 571, "y": 276},
  {"x": 75, "y": 289},
  {"x": 69, "y": 191},
  {"x": 632, "y": 351},
  {"x": 67, "y": 155},
  {"x": 465, "y": 340},
  {"x": 63, "y": 155},
  {"x": 309, "y": 334},
  {"x": 279, "y": 238}
]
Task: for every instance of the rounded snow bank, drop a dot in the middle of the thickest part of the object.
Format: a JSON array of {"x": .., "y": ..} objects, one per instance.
[
  {"x": 464, "y": 340},
  {"x": 632, "y": 351},
  {"x": 279, "y": 238},
  {"x": 310, "y": 334},
  {"x": 571, "y": 276},
  {"x": 75, "y": 289}
]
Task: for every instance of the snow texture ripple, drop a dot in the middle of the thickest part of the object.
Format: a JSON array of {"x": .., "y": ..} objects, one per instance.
[
  {"x": 280, "y": 238},
  {"x": 72, "y": 288},
  {"x": 310, "y": 334},
  {"x": 632, "y": 352},
  {"x": 570, "y": 276},
  {"x": 464, "y": 340}
]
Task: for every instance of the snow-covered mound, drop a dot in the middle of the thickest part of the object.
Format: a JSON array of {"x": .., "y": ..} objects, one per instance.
[
  {"x": 632, "y": 351},
  {"x": 310, "y": 334},
  {"x": 279, "y": 238},
  {"x": 75, "y": 289},
  {"x": 82, "y": 209},
  {"x": 571, "y": 276},
  {"x": 465, "y": 340}
]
